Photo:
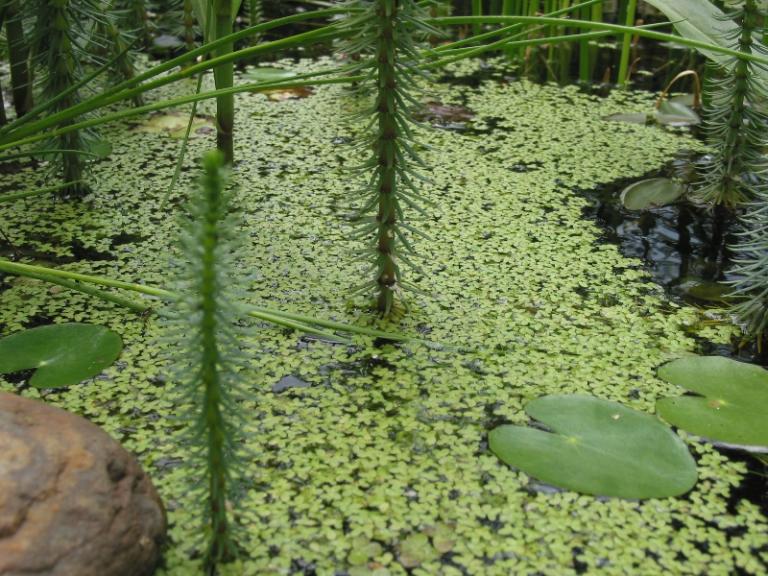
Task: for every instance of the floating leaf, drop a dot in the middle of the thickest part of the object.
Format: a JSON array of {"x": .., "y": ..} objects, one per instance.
[
  {"x": 174, "y": 124},
  {"x": 672, "y": 113},
  {"x": 268, "y": 74},
  {"x": 597, "y": 447},
  {"x": 281, "y": 94},
  {"x": 167, "y": 42},
  {"x": 630, "y": 117},
  {"x": 63, "y": 354},
  {"x": 651, "y": 193},
  {"x": 684, "y": 99},
  {"x": 731, "y": 405}
]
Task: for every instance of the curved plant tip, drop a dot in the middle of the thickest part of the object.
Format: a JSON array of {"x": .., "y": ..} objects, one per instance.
[
  {"x": 651, "y": 193},
  {"x": 60, "y": 354},
  {"x": 730, "y": 402},
  {"x": 597, "y": 447}
]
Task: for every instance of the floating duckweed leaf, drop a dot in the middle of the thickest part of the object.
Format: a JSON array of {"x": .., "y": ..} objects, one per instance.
[
  {"x": 597, "y": 447},
  {"x": 629, "y": 117},
  {"x": 362, "y": 551},
  {"x": 174, "y": 124},
  {"x": 732, "y": 402},
  {"x": 63, "y": 354},
  {"x": 268, "y": 74},
  {"x": 651, "y": 193},
  {"x": 415, "y": 550},
  {"x": 676, "y": 114}
]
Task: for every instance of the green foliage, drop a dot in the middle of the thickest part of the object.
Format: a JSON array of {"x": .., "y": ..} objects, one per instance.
[
  {"x": 734, "y": 125},
  {"x": 206, "y": 349},
  {"x": 384, "y": 33},
  {"x": 61, "y": 354},
  {"x": 597, "y": 447},
  {"x": 730, "y": 402},
  {"x": 738, "y": 130},
  {"x": 61, "y": 34},
  {"x": 387, "y": 442}
]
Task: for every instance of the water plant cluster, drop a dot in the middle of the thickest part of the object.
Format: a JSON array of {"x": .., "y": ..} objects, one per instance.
[{"x": 344, "y": 432}]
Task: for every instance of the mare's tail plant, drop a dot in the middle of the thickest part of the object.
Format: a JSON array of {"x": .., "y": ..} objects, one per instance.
[
  {"x": 384, "y": 32},
  {"x": 738, "y": 129},
  {"x": 204, "y": 349},
  {"x": 59, "y": 50},
  {"x": 18, "y": 54},
  {"x": 733, "y": 123}
]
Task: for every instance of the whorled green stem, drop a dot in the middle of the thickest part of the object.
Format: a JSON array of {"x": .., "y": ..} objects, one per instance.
[
  {"x": 18, "y": 53},
  {"x": 221, "y": 547},
  {"x": 728, "y": 123},
  {"x": 387, "y": 153},
  {"x": 737, "y": 172}
]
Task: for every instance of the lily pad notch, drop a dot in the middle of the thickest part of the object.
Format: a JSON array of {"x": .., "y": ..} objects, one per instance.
[{"x": 729, "y": 405}]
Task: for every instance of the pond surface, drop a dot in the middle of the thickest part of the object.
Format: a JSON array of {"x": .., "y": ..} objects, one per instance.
[{"x": 372, "y": 459}]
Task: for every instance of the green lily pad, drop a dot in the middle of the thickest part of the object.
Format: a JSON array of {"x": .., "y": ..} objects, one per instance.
[
  {"x": 651, "y": 193},
  {"x": 267, "y": 74},
  {"x": 597, "y": 447},
  {"x": 63, "y": 354},
  {"x": 672, "y": 113},
  {"x": 629, "y": 117},
  {"x": 731, "y": 402}
]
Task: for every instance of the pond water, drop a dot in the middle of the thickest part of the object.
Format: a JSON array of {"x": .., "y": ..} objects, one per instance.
[{"x": 372, "y": 458}]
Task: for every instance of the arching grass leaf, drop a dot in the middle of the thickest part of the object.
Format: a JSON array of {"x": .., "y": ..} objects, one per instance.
[
  {"x": 731, "y": 405},
  {"x": 651, "y": 193},
  {"x": 63, "y": 354},
  {"x": 597, "y": 447}
]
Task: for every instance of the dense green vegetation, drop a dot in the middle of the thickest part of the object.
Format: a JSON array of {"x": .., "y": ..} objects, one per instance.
[{"x": 385, "y": 267}]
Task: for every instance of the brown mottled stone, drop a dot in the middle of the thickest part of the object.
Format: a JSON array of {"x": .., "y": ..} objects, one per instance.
[{"x": 73, "y": 502}]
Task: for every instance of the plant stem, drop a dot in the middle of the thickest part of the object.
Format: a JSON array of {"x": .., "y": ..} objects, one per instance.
[
  {"x": 287, "y": 319},
  {"x": 223, "y": 74},
  {"x": 627, "y": 43},
  {"x": 18, "y": 53}
]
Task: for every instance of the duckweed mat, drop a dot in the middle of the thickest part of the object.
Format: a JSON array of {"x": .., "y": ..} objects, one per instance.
[{"x": 370, "y": 458}]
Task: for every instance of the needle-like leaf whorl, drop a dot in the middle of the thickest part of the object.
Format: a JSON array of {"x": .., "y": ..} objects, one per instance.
[
  {"x": 205, "y": 347},
  {"x": 383, "y": 33}
]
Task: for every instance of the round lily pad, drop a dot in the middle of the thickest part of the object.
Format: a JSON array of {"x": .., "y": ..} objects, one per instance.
[
  {"x": 730, "y": 405},
  {"x": 597, "y": 447},
  {"x": 651, "y": 193},
  {"x": 62, "y": 354}
]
